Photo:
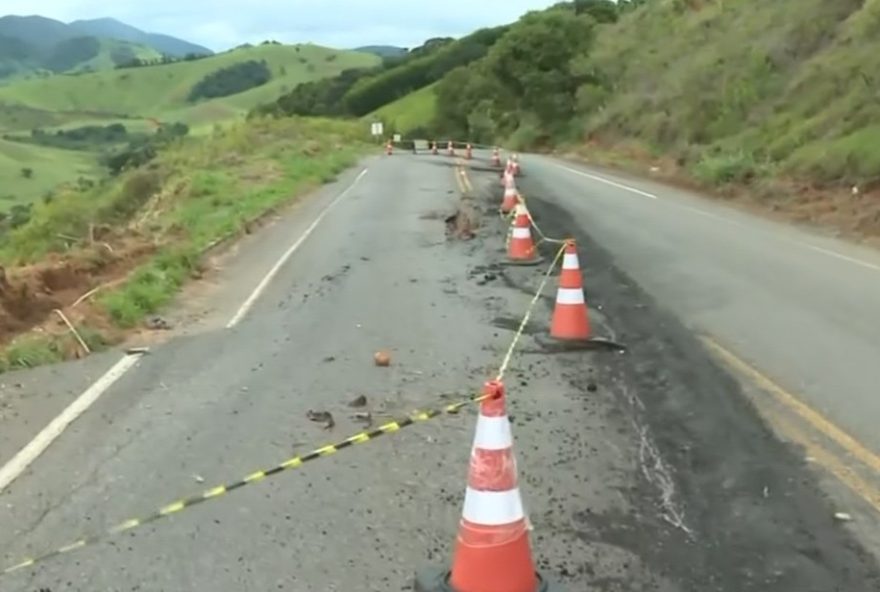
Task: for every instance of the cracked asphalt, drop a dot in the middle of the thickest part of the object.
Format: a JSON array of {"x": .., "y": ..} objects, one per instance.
[{"x": 639, "y": 471}]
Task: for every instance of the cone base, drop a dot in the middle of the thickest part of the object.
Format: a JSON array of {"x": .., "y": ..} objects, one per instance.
[
  {"x": 523, "y": 262},
  {"x": 437, "y": 580}
]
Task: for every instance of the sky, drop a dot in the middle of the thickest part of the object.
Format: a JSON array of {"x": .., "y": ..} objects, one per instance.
[{"x": 221, "y": 24}]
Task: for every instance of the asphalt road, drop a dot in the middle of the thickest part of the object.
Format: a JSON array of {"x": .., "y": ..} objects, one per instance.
[
  {"x": 800, "y": 307},
  {"x": 640, "y": 471}
]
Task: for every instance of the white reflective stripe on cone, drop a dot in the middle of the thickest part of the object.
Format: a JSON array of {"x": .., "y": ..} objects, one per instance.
[
  {"x": 493, "y": 433},
  {"x": 570, "y": 261},
  {"x": 492, "y": 508},
  {"x": 521, "y": 232},
  {"x": 570, "y": 296}
]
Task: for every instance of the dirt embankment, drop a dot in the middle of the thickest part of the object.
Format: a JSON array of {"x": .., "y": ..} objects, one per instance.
[
  {"x": 850, "y": 212},
  {"x": 30, "y": 294}
]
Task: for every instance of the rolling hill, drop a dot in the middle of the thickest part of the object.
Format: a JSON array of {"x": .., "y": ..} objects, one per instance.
[
  {"x": 34, "y": 46},
  {"x": 163, "y": 44},
  {"x": 163, "y": 91}
]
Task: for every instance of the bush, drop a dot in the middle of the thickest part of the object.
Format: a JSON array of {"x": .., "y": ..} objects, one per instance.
[
  {"x": 231, "y": 80},
  {"x": 721, "y": 169}
]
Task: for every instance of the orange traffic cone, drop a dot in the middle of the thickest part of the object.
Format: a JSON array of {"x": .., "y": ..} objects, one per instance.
[
  {"x": 469, "y": 152},
  {"x": 492, "y": 551},
  {"x": 515, "y": 165},
  {"x": 389, "y": 148},
  {"x": 451, "y": 148},
  {"x": 521, "y": 249},
  {"x": 496, "y": 158},
  {"x": 571, "y": 321},
  {"x": 511, "y": 198}
]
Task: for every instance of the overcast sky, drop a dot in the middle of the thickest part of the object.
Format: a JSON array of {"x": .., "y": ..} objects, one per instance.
[{"x": 220, "y": 24}]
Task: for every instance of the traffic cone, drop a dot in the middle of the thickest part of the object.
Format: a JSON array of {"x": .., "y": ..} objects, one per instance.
[
  {"x": 469, "y": 152},
  {"x": 521, "y": 249},
  {"x": 451, "y": 148},
  {"x": 515, "y": 165},
  {"x": 492, "y": 551},
  {"x": 389, "y": 148},
  {"x": 511, "y": 198},
  {"x": 496, "y": 158},
  {"x": 571, "y": 320}
]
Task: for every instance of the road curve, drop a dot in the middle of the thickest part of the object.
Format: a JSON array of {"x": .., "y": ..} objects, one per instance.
[
  {"x": 800, "y": 307},
  {"x": 626, "y": 477}
]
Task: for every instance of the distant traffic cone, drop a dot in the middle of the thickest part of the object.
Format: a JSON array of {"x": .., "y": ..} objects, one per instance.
[
  {"x": 521, "y": 249},
  {"x": 389, "y": 148},
  {"x": 571, "y": 320},
  {"x": 450, "y": 148},
  {"x": 492, "y": 551},
  {"x": 469, "y": 152},
  {"x": 515, "y": 165},
  {"x": 496, "y": 157},
  {"x": 434, "y": 149},
  {"x": 511, "y": 198}
]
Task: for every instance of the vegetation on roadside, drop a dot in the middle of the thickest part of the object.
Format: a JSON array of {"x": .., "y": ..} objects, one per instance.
[{"x": 143, "y": 234}]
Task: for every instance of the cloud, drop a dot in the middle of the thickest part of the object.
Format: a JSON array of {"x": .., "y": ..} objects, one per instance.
[{"x": 220, "y": 24}]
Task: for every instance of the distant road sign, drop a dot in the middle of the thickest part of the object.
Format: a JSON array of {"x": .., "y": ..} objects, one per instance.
[
  {"x": 396, "y": 137},
  {"x": 377, "y": 129}
]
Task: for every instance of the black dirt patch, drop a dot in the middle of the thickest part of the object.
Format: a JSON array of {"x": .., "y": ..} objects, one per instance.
[{"x": 511, "y": 324}]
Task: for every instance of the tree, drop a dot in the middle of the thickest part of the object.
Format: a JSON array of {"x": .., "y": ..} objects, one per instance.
[
  {"x": 604, "y": 11},
  {"x": 27, "y": 172}
]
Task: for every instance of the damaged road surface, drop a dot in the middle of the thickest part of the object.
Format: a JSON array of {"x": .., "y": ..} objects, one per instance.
[{"x": 640, "y": 470}]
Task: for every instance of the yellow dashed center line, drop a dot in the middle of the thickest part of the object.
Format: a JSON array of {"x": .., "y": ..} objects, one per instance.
[{"x": 830, "y": 461}]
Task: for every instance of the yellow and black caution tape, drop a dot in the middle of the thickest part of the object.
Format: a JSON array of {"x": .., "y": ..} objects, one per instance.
[
  {"x": 220, "y": 490},
  {"x": 525, "y": 320}
]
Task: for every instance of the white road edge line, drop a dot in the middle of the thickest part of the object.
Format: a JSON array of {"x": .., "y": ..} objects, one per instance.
[
  {"x": 608, "y": 182},
  {"x": 31, "y": 451},
  {"x": 27, "y": 455},
  {"x": 837, "y": 255},
  {"x": 807, "y": 245},
  {"x": 264, "y": 283}
]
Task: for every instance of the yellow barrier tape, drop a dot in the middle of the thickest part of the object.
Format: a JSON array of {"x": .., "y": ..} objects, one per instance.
[
  {"x": 255, "y": 477},
  {"x": 525, "y": 320}
]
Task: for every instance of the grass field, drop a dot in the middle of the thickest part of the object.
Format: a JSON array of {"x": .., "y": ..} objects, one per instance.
[
  {"x": 161, "y": 91},
  {"x": 745, "y": 88},
  {"x": 50, "y": 167},
  {"x": 407, "y": 113}
]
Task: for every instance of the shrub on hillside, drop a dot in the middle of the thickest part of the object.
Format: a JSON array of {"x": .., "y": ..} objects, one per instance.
[
  {"x": 143, "y": 149},
  {"x": 87, "y": 137},
  {"x": 232, "y": 80}
]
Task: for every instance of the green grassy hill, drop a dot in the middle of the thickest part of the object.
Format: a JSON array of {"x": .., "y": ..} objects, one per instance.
[
  {"x": 50, "y": 167},
  {"x": 162, "y": 91},
  {"x": 409, "y": 113},
  {"x": 789, "y": 86},
  {"x": 361, "y": 92}
]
